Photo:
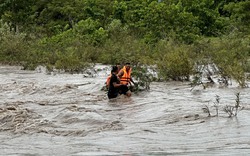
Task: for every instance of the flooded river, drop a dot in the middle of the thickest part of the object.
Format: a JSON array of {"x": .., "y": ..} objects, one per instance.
[{"x": 68, "y": 114}]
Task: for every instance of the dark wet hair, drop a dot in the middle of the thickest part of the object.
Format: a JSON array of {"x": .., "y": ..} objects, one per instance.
[{"x": 114, "y": 69}]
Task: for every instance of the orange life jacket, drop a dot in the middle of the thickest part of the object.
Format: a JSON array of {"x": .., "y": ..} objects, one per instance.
[{"x": 125, "y": 79}]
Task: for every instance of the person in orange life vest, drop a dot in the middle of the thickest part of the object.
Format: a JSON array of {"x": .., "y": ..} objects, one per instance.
[
  {"x": 125, "y": 75},
  {"x": 109, "y": 77}
]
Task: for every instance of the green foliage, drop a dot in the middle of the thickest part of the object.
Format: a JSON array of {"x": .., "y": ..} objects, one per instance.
[
  {"x": 231, "y": 57},
  {"x": 230, "y": 54},
  {"x": 187, "y": 19},
  {"x": 119, "y": 9},
  {"x": 72, "y": 49},
  {"x": 143, "y": 77},
  {"x": 207, "y": 15},
  {"x": 90, "y": 32},
  {"x": 173, "y": 61},
  {"x": 126, "y": 48},
  {"x": 240, "y": 15},
  {"x": 70, "y": 61},
  {"x": 12, "y": 45},
  {"x": 16, "y": 13},
  {"x": 175, "y": 35}
]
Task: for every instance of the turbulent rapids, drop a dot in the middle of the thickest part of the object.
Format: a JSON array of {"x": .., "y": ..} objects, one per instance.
[{"x": 68, "y": 114}]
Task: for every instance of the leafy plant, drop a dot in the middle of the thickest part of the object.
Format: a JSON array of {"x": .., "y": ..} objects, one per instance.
[
  {"x": 143, "y": 76},
  {"x": 173, "y": 61},
  {"x": 13, "y": 46},
  {"x": 230, "y": 110},
  {"x": 233, "y": 110}
]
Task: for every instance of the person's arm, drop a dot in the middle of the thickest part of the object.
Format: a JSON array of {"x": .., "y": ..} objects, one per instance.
[
  {"x": 115, "y": 84},
  {"x": 120, "y": 74},
  {"x": 115, "y": 81}
]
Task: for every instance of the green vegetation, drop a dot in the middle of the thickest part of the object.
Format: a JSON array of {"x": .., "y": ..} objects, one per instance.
[{"x": 175, "y": 35}]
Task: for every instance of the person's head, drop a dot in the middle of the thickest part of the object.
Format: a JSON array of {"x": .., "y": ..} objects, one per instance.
[
  {"x": 119, "y": 66},
  {"x": 127, "y": 65},
  {"x": 114, "y": 69}
]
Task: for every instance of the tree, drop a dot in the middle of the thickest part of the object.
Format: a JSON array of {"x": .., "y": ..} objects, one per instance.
[
  {"x": 16, "y": 12},
  {"x": 207, "y": 16},
  {"x": 240, "y": 15}
]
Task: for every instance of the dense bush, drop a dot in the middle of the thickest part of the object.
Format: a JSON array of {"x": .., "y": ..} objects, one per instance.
[
  {"x": 173, "y": 60},
  {"x": 12, "y": 45}
]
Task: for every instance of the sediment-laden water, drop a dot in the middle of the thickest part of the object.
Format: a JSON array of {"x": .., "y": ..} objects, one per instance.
[{"x": 68, "y": 114}]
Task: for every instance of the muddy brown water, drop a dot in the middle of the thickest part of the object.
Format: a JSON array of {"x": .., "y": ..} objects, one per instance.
[{"x": 67, "y": 114}]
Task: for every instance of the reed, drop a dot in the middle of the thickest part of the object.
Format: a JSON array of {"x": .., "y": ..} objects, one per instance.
[
  {"x": 234, "y": 110},
  {"x": 229, "y": 109}
]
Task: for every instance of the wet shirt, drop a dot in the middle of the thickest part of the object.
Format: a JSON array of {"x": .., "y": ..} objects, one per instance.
[{"x": 113, "y": 91}]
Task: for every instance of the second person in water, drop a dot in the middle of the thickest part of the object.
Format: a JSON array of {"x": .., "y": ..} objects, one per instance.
[{"x": 125, "y": 75}]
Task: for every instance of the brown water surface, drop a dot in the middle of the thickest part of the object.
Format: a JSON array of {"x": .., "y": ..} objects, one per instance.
[{"x": 67, "y": 114}]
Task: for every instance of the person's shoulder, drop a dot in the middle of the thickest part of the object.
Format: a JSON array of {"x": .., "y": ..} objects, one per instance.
[
  {"x": 113, "y": 76},
  {"x": 120, "y": 72}
]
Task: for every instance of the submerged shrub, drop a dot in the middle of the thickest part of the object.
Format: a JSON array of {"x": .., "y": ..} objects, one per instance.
[
  {"x": 124, "y": 49},
  {"x": 70, "y": 50},
  {"x": 144, "y": 77},
  {"x": 173, "y": 61},
  {"x": 229, "y": 109},
  {"x": 229, "y": 54},
  {"x": 69, "y": 61},
  {"x": 233, "y": 110}
]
